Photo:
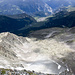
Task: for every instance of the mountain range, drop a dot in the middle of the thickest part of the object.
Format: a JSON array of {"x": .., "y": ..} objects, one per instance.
[
  {"x": 24, "y": 6},
  {"x": 32, "y": 7}
]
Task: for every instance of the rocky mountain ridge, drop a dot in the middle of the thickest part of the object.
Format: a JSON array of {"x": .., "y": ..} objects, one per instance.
[{"x": 23, "y": 52}]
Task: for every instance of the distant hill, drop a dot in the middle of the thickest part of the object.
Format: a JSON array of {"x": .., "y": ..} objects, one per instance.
[{"x": 15, "y": 22}]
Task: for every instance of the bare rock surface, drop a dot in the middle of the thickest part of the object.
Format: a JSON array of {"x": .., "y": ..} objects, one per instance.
[{"x": 52, "y": 54}]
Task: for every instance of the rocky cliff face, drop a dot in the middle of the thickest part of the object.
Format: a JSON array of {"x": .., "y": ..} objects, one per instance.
[{"x": 43, "y": 51}]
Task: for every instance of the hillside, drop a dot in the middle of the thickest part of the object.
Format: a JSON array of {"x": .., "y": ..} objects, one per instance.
[
  {"x": 23, "y": 24},
  {"x": 49, "y": 51},
  {"x": 14, "y": 22},
  {"x": 61, "y": 19}
]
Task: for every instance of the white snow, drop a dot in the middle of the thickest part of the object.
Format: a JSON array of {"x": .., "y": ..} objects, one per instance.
[{"x": 59, "y": 66}]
